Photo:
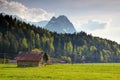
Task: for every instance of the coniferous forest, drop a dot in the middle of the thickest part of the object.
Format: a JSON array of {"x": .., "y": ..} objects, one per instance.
[{"x": 16, "y": 36}]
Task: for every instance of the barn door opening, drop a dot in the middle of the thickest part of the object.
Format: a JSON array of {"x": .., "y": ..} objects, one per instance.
[{"x": 45, "y": 58}]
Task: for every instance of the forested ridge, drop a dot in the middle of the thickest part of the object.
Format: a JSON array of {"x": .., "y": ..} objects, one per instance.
[{"x": 16, "y": 36}]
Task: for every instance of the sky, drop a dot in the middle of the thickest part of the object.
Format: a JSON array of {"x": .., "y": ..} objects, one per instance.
[{"x": 97, "y": 17}]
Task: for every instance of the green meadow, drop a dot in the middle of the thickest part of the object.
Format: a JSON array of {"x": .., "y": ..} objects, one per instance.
[{"x": 96, "y": 71}]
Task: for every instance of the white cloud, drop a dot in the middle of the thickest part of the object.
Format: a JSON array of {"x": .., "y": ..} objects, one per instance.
[
  {"x": 16, "y": 8},
  {"x": 92, "y": 22},
  {"x": 93, "y": 25},
  {"x": 109, "y": 33}
]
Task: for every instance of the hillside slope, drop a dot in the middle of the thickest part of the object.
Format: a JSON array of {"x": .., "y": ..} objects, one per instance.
[{"x": 18, "y": 36}]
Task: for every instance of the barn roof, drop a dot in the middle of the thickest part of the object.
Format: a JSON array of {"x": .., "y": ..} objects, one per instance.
[{"x": 30, "y": 56}]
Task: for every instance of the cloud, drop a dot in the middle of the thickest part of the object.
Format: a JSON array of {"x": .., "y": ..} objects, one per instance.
[
  {"x": 94, "y": 25},
  {"x": 109, "y": 32},
  {"x": 30, "y": 14}
]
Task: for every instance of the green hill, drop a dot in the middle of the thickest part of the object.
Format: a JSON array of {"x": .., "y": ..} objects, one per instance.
[{"x": 79, "y": 47}]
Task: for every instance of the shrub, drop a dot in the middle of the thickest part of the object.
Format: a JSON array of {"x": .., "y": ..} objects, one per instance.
[{"x": 2, "y": 61}]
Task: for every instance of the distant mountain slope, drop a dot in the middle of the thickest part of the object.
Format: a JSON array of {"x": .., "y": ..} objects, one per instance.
[
  {"x": 40, "y": 24},
  {"x": 60, "y": 25}
]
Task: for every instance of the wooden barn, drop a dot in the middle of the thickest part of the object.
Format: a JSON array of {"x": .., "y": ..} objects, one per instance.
[{"x": 25, "y": 59}]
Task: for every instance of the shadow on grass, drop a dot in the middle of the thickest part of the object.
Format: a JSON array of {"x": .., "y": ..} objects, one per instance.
[
  {"x": 13, "y": 66},
  {"x": 8, "y": 67}
]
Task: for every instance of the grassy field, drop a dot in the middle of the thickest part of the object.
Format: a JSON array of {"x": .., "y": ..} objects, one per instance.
[{"x": 107, "y": 71}]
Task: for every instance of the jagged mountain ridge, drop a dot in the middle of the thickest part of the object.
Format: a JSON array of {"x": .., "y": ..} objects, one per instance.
[{"x": 60, "y": 24}]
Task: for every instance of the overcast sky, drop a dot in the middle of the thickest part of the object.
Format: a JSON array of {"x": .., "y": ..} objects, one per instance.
[{"x": 97, "y": 17}]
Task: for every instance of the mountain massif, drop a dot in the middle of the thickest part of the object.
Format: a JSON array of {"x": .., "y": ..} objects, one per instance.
[
  {"x": 40, "y": 24},
  {"x": 16, "y": 36},
  {"x": 60, "y": 24}
]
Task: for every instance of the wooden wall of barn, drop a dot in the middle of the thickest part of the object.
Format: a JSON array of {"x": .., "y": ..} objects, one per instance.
[{"x": 28, "y": 63}]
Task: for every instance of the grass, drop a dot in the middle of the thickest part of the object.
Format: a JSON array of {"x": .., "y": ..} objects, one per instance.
[{"x": 108, "y": 71}]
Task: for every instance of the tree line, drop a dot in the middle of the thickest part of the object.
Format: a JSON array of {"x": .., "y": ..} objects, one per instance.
[{"x": 16, "y": 36}]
